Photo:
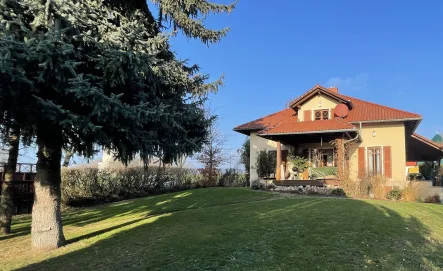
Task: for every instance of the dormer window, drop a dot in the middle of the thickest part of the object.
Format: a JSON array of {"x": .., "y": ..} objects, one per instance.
[{"x": 321, "y": 114}]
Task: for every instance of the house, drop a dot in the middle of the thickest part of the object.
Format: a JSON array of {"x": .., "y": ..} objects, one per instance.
[{"x": 334, "y": 130}]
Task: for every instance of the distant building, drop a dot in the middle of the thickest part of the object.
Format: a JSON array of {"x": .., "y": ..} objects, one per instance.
[{"x": 437, "y": 138}]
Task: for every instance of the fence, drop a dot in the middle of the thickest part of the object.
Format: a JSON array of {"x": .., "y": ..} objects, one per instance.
[{"x": 22, "y": 187}]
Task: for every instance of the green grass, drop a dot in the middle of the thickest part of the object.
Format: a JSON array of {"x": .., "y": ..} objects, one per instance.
[{"x": 238, "y": 229}]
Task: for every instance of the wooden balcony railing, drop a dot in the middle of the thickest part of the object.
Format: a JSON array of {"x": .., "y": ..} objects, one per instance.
[{"x": 22, "y": 186}]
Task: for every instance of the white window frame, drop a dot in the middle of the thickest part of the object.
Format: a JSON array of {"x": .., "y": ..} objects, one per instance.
[{"x": 321, "y": 114}]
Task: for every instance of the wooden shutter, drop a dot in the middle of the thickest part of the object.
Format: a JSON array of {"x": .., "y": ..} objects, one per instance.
[
  {"x": 361, "y": 162},
  {"x": 332, "y": 116},
  {"x": 307, "y": 115},
  {"x": 387, "y": 161}
]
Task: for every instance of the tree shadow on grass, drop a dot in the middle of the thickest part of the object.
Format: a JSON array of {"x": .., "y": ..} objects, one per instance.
[
  {"x": 284, "y": 234},
  {"x": 160, "y": 204},
  {"x": 86, "y": 216}
]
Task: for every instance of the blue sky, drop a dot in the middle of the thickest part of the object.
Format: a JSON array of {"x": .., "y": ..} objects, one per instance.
[{"x": 387, "y": 52}]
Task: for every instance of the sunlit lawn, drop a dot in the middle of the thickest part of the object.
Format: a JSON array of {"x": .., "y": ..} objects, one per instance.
[{"x": 238, "y": 229}]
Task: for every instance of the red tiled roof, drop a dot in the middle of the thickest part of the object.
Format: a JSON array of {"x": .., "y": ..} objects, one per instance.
[
  {"x": 269, "y": 121},
  {"x": 294, "y": 127},
  {"x": 285, "y": 121},
  {"x": 367, "y": 111}
]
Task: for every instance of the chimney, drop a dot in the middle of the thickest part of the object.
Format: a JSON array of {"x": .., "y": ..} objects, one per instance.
[{"x": 333, "y": 89}]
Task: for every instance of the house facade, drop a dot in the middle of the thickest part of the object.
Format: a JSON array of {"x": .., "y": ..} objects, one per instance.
[{"x": 333, "y": 130}]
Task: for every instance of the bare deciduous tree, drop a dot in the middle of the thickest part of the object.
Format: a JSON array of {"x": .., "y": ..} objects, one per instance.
[{"x": 212, "y": 155}]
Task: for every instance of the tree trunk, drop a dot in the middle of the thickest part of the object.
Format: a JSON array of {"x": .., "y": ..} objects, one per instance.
[
  {"x": 6, "y": 205},
  {"x": 47, "y": 228}
]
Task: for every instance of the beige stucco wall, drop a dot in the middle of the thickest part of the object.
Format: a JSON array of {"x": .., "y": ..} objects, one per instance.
[
  {"x": 258, "y": 144},
  {"x": 386, "y": 134},
  {"x": 315, "y": 103}
]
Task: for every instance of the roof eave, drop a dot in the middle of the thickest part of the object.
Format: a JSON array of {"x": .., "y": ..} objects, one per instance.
[
  {"x": 311, "y": 132},
  {"x": 246, "y": 131},
  {"x": 387, "y": 120},
  {"x": 428, "y": 142}
]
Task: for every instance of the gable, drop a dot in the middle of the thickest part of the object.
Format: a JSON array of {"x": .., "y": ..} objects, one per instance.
[
  {"x": 317, "y": 102},
  {"x": 317, "y": 90}
]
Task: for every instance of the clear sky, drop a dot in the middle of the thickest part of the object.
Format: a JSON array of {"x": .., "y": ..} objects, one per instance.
[{"x": 387, "y": 52}]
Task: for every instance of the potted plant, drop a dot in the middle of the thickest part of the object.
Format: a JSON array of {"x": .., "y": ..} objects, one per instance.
[{"x": 299, "y": 164}]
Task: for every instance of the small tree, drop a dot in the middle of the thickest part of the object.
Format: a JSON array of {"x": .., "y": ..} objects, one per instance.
[
  {"x": 426, "y": 169},
  {"x": 212, "y": 155},
  {"x": 245, "y": 156},
  {"x": 266, "y": 163}
]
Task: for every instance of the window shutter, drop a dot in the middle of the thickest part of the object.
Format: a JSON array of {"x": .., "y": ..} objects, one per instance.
[
  {"x": 307, "y": 115},
  {"x": 332, "y": 116},
  {"x": 387, "y": 161},
  {"x": 361, "y": 163}
]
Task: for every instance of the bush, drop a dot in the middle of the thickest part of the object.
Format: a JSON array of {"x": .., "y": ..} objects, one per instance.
[
  {"x": 338, "y": 192},
  {"x": 257, "y": 185},
  {"x": 409, "y": 193},
  {"x": 369, "y": 186},
  {"x": 394, "y": 194},
  {"x": 433, "y": 199},
  {"x": 266, "y": 163},
  {"x": 90, "y": 186},
  {"x": 232, "y": 178},
  {"x": 426, "y": 169}
]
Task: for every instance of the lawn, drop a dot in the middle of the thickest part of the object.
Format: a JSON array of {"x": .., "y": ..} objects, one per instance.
[{"x": 238, "y": 229}]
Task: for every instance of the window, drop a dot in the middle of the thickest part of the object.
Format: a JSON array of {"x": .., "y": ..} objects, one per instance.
[
  {"x": 374, "y": 161},
  {"x": 321, "y": 114}
]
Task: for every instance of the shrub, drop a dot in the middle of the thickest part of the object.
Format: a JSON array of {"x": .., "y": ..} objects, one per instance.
[
  {"x": 257, "y": 185},
  {"x": 409, "y": 193},
  {"x": 232, "y": 177},
  {"x": 366, "y": 187},
  {"x": 394, "y": 194},
  {"x": 433, "y": 199},
  {"x": 89, "y": 186},
  {"x": 266, "y": 163},
  {"x": 426, "y": 169},
  {"x": 338, "y": 192}
]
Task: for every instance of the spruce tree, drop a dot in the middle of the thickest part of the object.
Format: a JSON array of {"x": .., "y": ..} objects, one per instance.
[{"x": 100, "y": 72}]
